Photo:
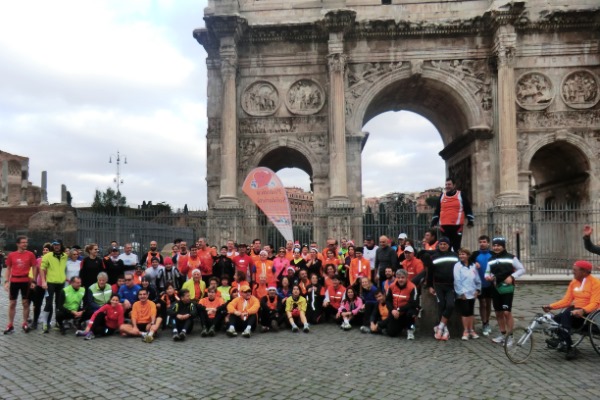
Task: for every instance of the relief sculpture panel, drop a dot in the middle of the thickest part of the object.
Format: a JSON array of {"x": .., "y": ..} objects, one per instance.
[
  {"x": 359, "y": 77},
  {"x": 475, "y": 74},
  {"x": 260, "y": 99},
  {"x": 534, "y": 91},
  {"x": 579, "y": 89},
  {"x": 305, "y": 97}
]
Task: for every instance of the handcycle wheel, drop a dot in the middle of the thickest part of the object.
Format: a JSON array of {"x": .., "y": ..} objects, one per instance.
[
  {"x": 519, "y": 348},
  {"x": 577, "y": 335},
  {"x": 595, "y": 330}
]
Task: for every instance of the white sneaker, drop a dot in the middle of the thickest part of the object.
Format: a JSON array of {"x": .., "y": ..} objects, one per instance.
[
  {"x": 410, "y": 334},
  {"x": 487, "y": 329},
  {"x": 231, "y": 332},
  {"x": 498, "y": 339},
  {"x": 509, "y": 341}
]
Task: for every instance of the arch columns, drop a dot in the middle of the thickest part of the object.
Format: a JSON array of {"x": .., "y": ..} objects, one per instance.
[{"x": 504, "y": 48}]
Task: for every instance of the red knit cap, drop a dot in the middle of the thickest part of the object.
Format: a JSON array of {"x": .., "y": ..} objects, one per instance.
[{"x": 584, "y": 265}]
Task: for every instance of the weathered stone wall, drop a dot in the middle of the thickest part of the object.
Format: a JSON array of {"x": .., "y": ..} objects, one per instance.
[{"x": 498, "y": 80}]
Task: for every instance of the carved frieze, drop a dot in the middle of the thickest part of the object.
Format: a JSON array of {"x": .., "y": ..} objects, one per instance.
[
  {"x": 534, "y": 91},
  {"x": 305, "y": 97},
  {"x": 359, "y": 77},
  {"x": 248, "y": 148},
  {"x": 260, "y": 99},
  {"x": 256, "y": 126},
  {"x": 314, "y": 141},
  {"x": 475, "y": 74},
  {"x": 579, "y": 89},
  {"x": 560, "y": 119}
]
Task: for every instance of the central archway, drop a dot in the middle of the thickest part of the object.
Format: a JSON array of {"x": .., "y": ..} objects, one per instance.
[{"x": 452, "y": 96}]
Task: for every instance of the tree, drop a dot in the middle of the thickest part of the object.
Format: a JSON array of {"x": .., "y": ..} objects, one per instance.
[
  {"x": 106, "y": 202},
  {"x": 432, "y": 201}
]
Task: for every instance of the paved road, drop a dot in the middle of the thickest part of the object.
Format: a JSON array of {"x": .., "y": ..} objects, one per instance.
[{"x": 325, "y": 364}]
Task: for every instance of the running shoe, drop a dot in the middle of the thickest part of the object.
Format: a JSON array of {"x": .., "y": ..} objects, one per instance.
[
  {"x": 231, "y": 332},
  {"x": 446, "y": 334},
  {"x": 473, "y": 335},
  {"x": 149, "y": 339},
  {"x": 509, "y": 341},
  {"x": 437, "y": 332},
  {"x": 26, "y": 328},
  {"x": 181, "y": 336},
  {"x": 465, "y": 335},
  {"x": 89, "y": 336},
  {"x": 246, "y": 333},
  {"x": 176, "y": 337},
  {"x": 306, "y": 329},
  {"x": 365, "y": 329},
  {"x": 45, "y": 328},
  {"x": 487, "y": 329},
  {"x": 498, "y": 339},
  {"x": 80, "y": 333},
  {"x": 295, "y": 329},
  {"x": 410, "y": 334},
  {"x": 211, "y": 331},
  {"x": 9, "y": 329}
]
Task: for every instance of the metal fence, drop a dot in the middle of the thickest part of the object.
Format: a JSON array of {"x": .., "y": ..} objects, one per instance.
[
  {"x": 547, "y": 240},
  {"x": 102, "y": 229}
]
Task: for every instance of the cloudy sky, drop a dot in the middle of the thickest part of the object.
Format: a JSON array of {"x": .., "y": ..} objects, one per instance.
[{"x": 81, "y": 80}]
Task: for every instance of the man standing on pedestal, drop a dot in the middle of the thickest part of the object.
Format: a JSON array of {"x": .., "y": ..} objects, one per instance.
[{"x": 450, "y": 213}]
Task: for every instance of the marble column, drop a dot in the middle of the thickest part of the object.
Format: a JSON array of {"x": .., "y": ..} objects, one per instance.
[
  {"x": 504, "y": 49},
  {"x": 228, "y": 188},
  {"x": 44, "y": 191},
  {"x": 63, "y": 194},
  {"x": 336, "y": 61},
  {"x": 4, "y": 185},
  {"x": 24, "y": 182}
]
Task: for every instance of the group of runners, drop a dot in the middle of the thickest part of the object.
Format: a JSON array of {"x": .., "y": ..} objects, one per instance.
[{"x": 241, "y": 288}]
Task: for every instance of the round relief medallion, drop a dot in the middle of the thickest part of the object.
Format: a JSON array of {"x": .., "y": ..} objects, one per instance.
[
  {"x": 260, "y": 99},
  {"x": 534, "y": 91},
  {"x": 305, "y": 97},
  {"x": 579, "y": 89}
]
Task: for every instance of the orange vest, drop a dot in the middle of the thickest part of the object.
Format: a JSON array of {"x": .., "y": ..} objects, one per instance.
[
  {"x": 430, "y": 247},
  {"x": 336, "y": 296},
  {"x": 150, "y": 256},
  {"x": 359, "y": 268},
  {"x": 451, "y": 209},
  {"x": 401, "y": 296},
  {"x": 260, "y": 291},
  {"x": 414, "y": 267},
  {"x": 383, "y": 311},
  {"x": 191, "y": 265}
]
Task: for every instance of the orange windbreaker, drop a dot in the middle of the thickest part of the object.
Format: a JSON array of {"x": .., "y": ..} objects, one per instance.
[{"x": 237, "y": 304}]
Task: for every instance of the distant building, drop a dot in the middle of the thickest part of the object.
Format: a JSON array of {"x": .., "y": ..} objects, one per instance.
[
  {"x": 421, "y": 199},
  {"x": 18, "y": 180},
  {"x": 301, "y": 205}
]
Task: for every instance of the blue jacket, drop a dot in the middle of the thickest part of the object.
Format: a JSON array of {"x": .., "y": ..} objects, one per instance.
[
  {"x": 482, "y": 257},
  {"x": 130, "y": 294},
  {"x": 368, "y": 297}
]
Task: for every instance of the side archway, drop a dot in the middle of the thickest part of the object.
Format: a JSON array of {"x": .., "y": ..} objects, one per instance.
[{"x": 560, "y": 172}]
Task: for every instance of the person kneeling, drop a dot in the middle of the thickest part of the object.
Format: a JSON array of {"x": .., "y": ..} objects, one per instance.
[
  {"x": 242, "y": 312},
  {"x": 295, "y": 309},
  {"x": 183, "y": 313},
  {"x": 402, "y": 304},
  {"x": 211, "y": 310},
  {"x": 144, "y": 321}
]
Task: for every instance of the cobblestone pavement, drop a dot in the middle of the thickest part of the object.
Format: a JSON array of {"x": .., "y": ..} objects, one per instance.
[{"x": 325, "y": 364}]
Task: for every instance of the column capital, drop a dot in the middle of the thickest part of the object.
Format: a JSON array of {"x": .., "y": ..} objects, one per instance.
[
  {"x": 229, "y": 56},
  {"x": 505, "y": 45}
]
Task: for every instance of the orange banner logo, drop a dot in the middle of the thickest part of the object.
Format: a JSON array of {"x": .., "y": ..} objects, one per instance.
[{"x": 265, "y": 189}]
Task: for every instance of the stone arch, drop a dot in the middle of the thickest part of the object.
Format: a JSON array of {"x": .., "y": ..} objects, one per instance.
[
  {"x": 560, "y": 169},
  {"x": 307, "y": 161},
  {"x": 561, "y": 136},
  {"x": 437, "y": 95}
]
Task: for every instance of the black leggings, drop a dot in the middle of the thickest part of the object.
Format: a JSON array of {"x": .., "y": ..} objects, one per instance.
[
  {"x": 445, "y": 298},
  {"x": 53, "y": 289},
  {"x": 567, "y": 322},
  {"x": 454, "y": 233}
]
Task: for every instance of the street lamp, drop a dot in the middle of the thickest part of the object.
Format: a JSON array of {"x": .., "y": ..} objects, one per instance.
[{"x": 117, "y": 179}]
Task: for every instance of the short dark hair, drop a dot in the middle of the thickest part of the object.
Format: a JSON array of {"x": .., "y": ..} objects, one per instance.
[
  {"x": 20, "y": 239},
  {"x": 182, "y": 293},
  {"x": 484, "y": 237},
  {"x": 450, "y": 179},
  {"x": 142, "y": 289}
]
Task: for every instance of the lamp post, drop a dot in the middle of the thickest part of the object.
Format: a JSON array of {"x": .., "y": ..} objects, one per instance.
[{"x": 117, "y": 179}]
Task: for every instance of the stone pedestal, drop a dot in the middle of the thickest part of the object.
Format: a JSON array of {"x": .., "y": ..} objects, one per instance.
[
  {"x": 429, "y": 318},
  {"x": 225, "y": 224}
]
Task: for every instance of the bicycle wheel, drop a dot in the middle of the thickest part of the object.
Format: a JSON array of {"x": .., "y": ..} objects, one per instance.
[
  {"x": 595, "y": 330},
  {"x": 519, "y": 348}
]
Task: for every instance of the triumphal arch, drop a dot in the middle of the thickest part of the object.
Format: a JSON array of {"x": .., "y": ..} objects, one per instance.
[{"x": 512, "y": 87}]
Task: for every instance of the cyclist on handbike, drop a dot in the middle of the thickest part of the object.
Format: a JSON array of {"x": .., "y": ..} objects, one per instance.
[{"x": 581, "y": 298}]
